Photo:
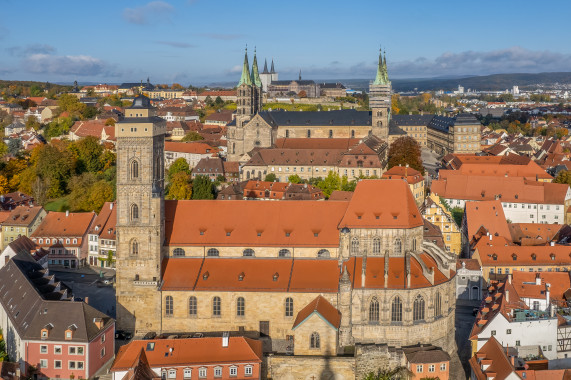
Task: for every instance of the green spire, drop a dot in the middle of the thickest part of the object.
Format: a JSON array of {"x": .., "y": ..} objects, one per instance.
[
  {"x": 385, "y": 70},
  {"x": 245, "y": 78},
  {"x": 381, "y": 77},
  {"x": 255, "y": 73}
]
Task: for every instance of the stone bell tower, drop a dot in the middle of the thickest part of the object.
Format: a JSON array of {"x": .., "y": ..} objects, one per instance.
[
  {"x": 380, "y": 100},
  {"x": 140, "y": 216}
]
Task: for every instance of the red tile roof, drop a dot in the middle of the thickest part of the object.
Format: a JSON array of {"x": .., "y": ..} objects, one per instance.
[
  {"x": 493, "y": 353},
  {"x": 88, "y": 128},
  {"x": 525, "y": 284},
  {"x": 104, "y": 224},
  {"x": 190, "y": 147},
  {"x": 381, "y": 204},
  {"x": 193, "y": 351},
  {"x": 411, "y": 175},
  {"x": 533, "y": 233},
  {"x": 531, "y": 171},
  {"x": 22, "y": 215},
  {"x": 488, "y": 214},
  {"x": 321, "y": 307},
  {"x": 56, "y": 224},
  {"x": 301, "y": 143},
  {"x": 557, "y": 255}
]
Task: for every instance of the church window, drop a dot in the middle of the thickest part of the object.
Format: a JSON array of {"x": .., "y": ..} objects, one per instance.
[
  {"x": 178, "y": 252},
  {"x": 240, "y": 306},
  {"x": 398, "y": 247},
  {"x": 331, "y": 133},
  {"x": 248, "y": 252},
  {"x": 192, "y": 306},
  {"x": 380, "y": 124},
  {"x": 323, "y": 253},
  {"x": 287, "y": 133},
  {"x": 352, "y": 133},
  {"x": 169, "y": 306},
  {"x": 396, "y": 310},
  {"x": 418, "y": 309},
  {"x": 134, "y": 212},
  {"x": 414, "y": 244},
  {"x": 213, "y": 252},
  {"x": 377, "y": 245},
  {"x": 355, "y": 246},
  {"x": 308, "y": 133},
  {"x": 216, "y": 304},
  {"x": 289, "y": 307},
  {"x": 314, "y": 342},
  {"x": 134, "y": 247},
  {"x": 374, "y": 311},
  {"x": 438, "y": 305},
  {"x": 284, "y": 253},
  {"x": 135, "y": 169}
]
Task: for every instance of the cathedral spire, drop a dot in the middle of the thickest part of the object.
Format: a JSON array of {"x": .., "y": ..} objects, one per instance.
[
  {"x": 272, "y": 71},
  {"x": 245, "y": 78},
  {"x": 385, "y": 70},
  {"x": 300, "y": 75},
  {"x": 265, "y": 67},
  {"x": 255, "y": 72},
  {"x": 380, "y": 78}
]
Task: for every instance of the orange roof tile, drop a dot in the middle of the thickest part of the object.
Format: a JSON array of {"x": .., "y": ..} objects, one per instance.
[
  {"x": 500, "y": 365},
  {"x": 531, "y": 171},
  {"x": 557, "y": 255},
  {"x": 190, "y": 147},
  {"x": 193, "y": 351},
  {"x": 488, "y": 214},
  {"x": 533, "y": 233},
  {"x": 22, "y": 215},
  {"x": 525, "y": 284},
  {"x": 56, "y": 224},
  {"x": 322, "y": 307},
  {"x": 381, "y": 204},
  {"x": 411, "y": 175}
]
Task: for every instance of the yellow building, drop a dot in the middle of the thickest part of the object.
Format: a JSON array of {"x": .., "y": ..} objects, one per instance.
[
  {"x": 22, "y": 221},
  {"x": 436, "y": 213}
]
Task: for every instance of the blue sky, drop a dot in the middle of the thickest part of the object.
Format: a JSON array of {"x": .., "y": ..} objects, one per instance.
[{"x": 202, "y": 41}]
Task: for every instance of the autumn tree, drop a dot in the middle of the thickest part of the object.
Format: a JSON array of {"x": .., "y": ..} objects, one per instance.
[
  {"x": 4, "y": 188},
  {"x": 179, "y": 166},
  {"x": 87, "y": 152},
  {"x": 72, "y": 105},
  {"x": 202, "y": 188},
  {"x": 180, "y": 186},
  {"x": 192, "y": 136},
  {"x": 302, "y": 94},
  {"x": 294, "y": 178},
  {"x": 405, "y": 150},
  {"x": 57, "y": 166},
  {"x": 330, "y": 183},
  {"x": 564, "y": 176},
  {"x": 110, "y": 121},
  {"x": 33, "y": 123}
]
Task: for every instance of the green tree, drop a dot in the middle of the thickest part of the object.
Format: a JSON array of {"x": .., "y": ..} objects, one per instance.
[
  {"x": 179, "y": 166},
  {"x": 70, "y": 103},
  {"x": 405, "y": 150},
  {"x": 564, "y": 176},
  {"x": 14, "y": 146},
  {"x": 89, "y": 112},
  {"x": 3, "y": 148},
  {"x": 331, "y": 183},
  {"x": 202, "y": 188},
  {"x": 36, "y": 90},
  {"x": 110, "y": 259},
  {"x": 192, "y": 136},
  {"x": 294, "y": 178},
  {"x": 57, "y": 127},
  {"x": 271, "y": 177},
  {"x": 388, "y": 374},
  {"x": 218, "y": 102},
  {"x": 347, "y": 185},
  {"x": 57, "y": 166},
  {"x": 88, "y": 153},
  {"x": 209, "y": 101},
  {"x": 33, "y": 123},
  {"x": 180, "y": 186}
]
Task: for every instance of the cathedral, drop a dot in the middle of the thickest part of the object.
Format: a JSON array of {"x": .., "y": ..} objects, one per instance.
[
  {"x": 255, "y": 128},
  {"x": 320, "y": 282}
]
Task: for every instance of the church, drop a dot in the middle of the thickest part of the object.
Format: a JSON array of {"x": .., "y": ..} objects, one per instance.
[
  {"x": 325, "y": 283},
  {"x": 255, "y": 128}
]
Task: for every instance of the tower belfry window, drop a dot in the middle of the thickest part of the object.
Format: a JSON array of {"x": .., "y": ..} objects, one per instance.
[
  {"x": 134, "y": 212},
  {"x": 135, "y": 169}
]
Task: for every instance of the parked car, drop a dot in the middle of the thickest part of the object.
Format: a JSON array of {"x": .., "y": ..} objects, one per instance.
[{"x": 123, "y": 335}]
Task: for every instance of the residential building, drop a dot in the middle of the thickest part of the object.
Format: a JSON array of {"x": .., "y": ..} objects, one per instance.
[
  {"x": 469, "y": 280},
  {"x": 210, "y": 167},
  {"x": 225, "y": 95},
  {"x": 412, "y": 176},
  {"x": 44, "y": 328},
  {"x": 333, "y": 90},
  {"x": 219, "y": 119},
  {"x": 23, "y": 244},
  {"x": 480, "y": 219},
  {"x": 427, "y": 361},
  {"x": 164, "y": 93},
  {"x": 193, "y": 358},
  {"x": 523, "y": 201},
  {"x": 263, "y": 190},
  {"x": 102, "y": 237},
  {"x": 9, "y": 201},
  {"x": 436, "y": 213},
  {"x": 192, "y": 152},
  {"x": 64, "y": 235},
  {"x": 177, "y": 114},
  {"x": 22, "y": 221},
  {"x": 95, "y": 128}
]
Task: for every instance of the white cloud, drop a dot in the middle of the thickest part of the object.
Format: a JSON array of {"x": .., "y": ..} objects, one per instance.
[{"x": 80, "y": 65}]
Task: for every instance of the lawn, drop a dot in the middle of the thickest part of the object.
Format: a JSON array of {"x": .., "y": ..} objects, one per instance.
[{"x": 59, "y": 204}]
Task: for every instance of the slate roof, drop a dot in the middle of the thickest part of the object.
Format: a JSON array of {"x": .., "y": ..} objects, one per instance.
[
  {"x": 287, "y": 82},
  {"x": 317, "y": 118},
  {"x": 425, "y": 354},
  {"x": 33, "y": 300},
  {"x": 411, "y": 120}
]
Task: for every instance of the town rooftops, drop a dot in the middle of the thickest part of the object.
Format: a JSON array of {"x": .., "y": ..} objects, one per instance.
[
  {"x": 315, "y": 143},
  {"x": 293, "y": 157},
  {"x": 531, "y": 171},
  {"x": 534, "y": 285},
  {"x": 185, "y": 352},
  {"x": 190, "y": 147},
  {"x": 425, "y": 354},
  {"x": 317, "y": 118},
  {"x": 533, "y": 233},
  {"x": 56, "y": 224},
  {"x": 105, "y": 222},
  {"x": 411, "y": 175},
  {"x": 487, "y": 214},
  {"x": 495, "y": 252},
  {"x": 491, "y": 361}
]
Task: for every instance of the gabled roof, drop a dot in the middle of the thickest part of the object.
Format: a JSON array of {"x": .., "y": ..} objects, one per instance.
[
  {"x": 104, "y": 224},
  {"x": 382, "y": 204},
  {"x": 194, "y": 147},
  {"x": 424, "y": 354},
  {"x": 321, "y": 307},
  {"x": 533, "y": 233},
  {"x": 22, "y": 215},
  {"x": 73, "y": 224},
  {"x": 488, "y": 214},
  {"x": 188, "y": 352},
  {"x": 493, "y": 354},
  {"x": 411, "y": 175}
]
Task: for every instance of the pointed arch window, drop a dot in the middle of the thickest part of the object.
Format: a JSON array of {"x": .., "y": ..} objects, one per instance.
[
  {"x": 376, "y": 246},
  {"x": 309, "y": 133},
  {"x": 331, "y": 133},
  {"x": 352, "y": 133},
  {"x": 169, "y": 306},
  {"x": 315, "y": 341},
  {"x": 134, "y": 169},
  {"x": 418, "y": 309},
  {"x": 398, "y": 247},
  {"x": 396, "y": 310},
  {"x": 374, "y": 311},
  {"x": 438, "y": 305},
  {"x": 355, "y": 246},
  {"x": 414, "y": 244},
  {"x": 192, "y": 306},
  {"x": 134, "y": 212},
  {"x": 134, "y": 247}
]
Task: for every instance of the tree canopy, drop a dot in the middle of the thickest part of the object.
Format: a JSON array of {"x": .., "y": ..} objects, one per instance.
[
  {"x": 202, "y": 188},
  {"x": 192, "y": 136},
  {"x": 405, "y": 150}
]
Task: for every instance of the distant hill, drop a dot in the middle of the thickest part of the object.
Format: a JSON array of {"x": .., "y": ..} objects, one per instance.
[{"x": 495, "y": 82}]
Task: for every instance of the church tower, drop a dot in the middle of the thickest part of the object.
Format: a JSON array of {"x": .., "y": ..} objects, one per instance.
[
  {"x": 380, "y": 100},
  {"x": 140, "y": 216},
  {"x": 249, "y": 103}
]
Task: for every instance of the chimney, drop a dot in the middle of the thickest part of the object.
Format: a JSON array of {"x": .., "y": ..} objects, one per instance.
[
  {"x": 111, "y": 206},
  {"x": 86, "y": 300},
  {"x": 507, "y": 296},
  {"x": 510, "y": 278},
  {"x": 537, "y": 279},
  {"x": 225, "y": 339},
  {"x": 67, "y": 213}
]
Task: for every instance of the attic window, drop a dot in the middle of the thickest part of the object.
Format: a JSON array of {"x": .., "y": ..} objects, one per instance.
[
  {"x": 201, "y": 232},
  {"x": 514, "y": 257},
  {"x": 259, "y": 233},
  {"x": 228, "y": 233},
  {"x": 315, "y": 234},
  {"x": 287, "y": 234},
  {"x": 394, "y": 216},
  {"x": 533, "y": 257},
  {"x": 205, "y": 275},
  {"x": 151, "y": 346},
  {"x": 494, "y": 257},
  {"x": 276, "y": 276},
  {"x": 241, "y": 276},
  {"x": 552, "y": 256},
  {"x": 377, "y": 217},
  {"x": 358, "y": 216}
]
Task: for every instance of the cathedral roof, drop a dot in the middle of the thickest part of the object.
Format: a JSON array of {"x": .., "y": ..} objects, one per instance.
[
  {"x": 317, "y": 118},
  {"x": 265, "y": 67},
  {"x": 141, "y": 101},
  {"x": 255, "y": 72},
  {"x": 272, "y": 71},
  {"x": 245, "y": 78},
  {"x": 323, "y": 308}
]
